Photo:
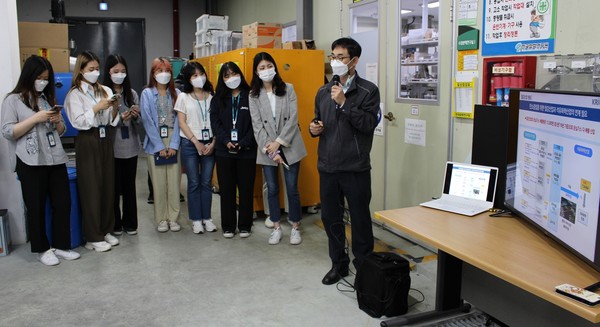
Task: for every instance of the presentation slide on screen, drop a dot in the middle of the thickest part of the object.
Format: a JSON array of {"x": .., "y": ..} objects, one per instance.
[
  {"x": 558, "y": 175},
  {"x": 469, "y": 182}
]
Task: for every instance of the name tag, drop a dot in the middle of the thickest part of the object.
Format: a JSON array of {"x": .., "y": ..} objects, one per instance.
[
  {"x": 164, "y": 132},
  {"x": 234, "y": 135},
  {"x": 51, "y": 139},
  {"x": 102, "y": 131},
  {"x": 124, "y": 132},
  {"x": 205, "y": 135}
]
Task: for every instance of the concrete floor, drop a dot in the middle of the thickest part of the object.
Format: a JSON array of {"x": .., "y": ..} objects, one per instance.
[{"x": 184, "y": 279}]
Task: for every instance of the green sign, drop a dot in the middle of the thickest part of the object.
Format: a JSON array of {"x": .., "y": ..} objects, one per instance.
[{"x": 468, "y": 38}]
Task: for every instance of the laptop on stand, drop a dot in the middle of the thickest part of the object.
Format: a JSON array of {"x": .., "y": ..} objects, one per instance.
[{"x": 468, "y": 189}]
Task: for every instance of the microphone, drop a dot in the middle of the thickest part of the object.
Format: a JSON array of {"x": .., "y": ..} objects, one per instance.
[{"x": 336, "y": 81}]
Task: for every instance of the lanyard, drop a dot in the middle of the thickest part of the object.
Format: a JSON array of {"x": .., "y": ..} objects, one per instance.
[
  {"x": 99, "y": 114},
  {"x": 162, "y": 107},
  {"x": 234, "y": 108},
  {"x": 46, "y": 106},
  {"x": 203, "y": 112}
]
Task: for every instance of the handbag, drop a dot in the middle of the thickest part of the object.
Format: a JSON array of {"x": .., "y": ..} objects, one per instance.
[{"x": 159, "y": 161}]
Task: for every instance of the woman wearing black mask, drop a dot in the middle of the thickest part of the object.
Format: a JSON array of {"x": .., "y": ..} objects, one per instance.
[{"x": 235, "y": 149}]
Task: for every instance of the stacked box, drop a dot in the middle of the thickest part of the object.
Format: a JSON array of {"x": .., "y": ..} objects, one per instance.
[
  {"x": 207, "y": 22},
  {"x": 213, "y": 42},
  {"x": 46, "y": 40},
  {"x": 262, "y": 35},
  {"x": 4, "y": 233},
  {"x": 302, "y": 44}
]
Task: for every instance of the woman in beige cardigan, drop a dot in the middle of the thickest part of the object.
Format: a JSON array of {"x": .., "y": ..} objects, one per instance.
[{"x": 274, "y": 111}]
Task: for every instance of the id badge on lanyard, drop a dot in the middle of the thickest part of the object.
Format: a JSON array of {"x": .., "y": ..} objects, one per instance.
[
  {"x": 124, "y": 132},
  {"x": 164, "y": 131},
  {"x": 102, "y": 131},
  {"x": 234, "y": 135},
  {"x": 205, "y": 135},
  {"x": 51, "y": 139}
]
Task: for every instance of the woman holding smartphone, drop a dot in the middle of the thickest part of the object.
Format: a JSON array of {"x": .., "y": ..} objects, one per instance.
[
  {"x": 92, "y": 110},
  {"x": 32, "y": 124},
  {"x": 162, "y": 143},
  {"x": 235, "y": 149},
  {"x": 126, "y": 144},
  {"x": 274, "y": 110},
  {"x": 197, "y": 144}
]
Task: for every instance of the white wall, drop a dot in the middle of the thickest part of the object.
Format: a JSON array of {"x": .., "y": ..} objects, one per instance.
[{"x": 10, "y": 192}]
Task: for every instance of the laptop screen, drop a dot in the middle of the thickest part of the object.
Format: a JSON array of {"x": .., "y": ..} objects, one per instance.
[{"x": 470, "y": 181}]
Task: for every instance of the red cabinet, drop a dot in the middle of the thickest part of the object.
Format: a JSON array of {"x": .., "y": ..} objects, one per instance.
[{"x": 503, "y": 73}]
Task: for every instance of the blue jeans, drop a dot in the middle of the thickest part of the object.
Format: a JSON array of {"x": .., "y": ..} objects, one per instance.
[
  {"x": 271, "y": 174},
  {"x": 199, "y": 188}
]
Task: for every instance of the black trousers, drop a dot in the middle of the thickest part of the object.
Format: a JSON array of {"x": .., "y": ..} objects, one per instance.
[
  {"x": 95, "y": 183},
  {"x": 125, "y": 172},
  {"x": 356, "y": 188},
  {"x": 236, "y": 178},
  {"x": 37, "y": 184}
]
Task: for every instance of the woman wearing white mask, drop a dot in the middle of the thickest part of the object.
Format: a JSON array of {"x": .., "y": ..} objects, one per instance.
[
  {"x": 274, "y": 110},
  {"x": 197, "y": 144},
  {"x": 235, "y": 149},
  {"x": 91, "y": 109},
  {"x": 126, "y": 144},
  {"x": 162, "y": 143},
  {"x": 33, "y": 125}
]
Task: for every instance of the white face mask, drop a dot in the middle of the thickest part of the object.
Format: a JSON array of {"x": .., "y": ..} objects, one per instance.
[
  {"x": 163, "y": 78},
  {"x": 267, "y": 75},
  {"x": 233, "y": 82},
  {"x": 40, "y": 84},
  {"x": 91, "y": 77},
  {"x": 339, "y": 68},
  {"x": 199, "y": 81},
  {"x": 118, "y": 78}
]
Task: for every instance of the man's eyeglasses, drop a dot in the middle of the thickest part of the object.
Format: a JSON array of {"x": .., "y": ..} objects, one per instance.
[{"x": 338, "y": 57}]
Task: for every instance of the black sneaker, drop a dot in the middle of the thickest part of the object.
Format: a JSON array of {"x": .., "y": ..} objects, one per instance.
[
  {"x": 150, "y": 199},
  {"x": 181, "y": 198}
]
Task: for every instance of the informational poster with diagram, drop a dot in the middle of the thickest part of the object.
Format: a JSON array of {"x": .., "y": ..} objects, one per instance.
[
  {"x": 558, "y": 166},
  {"x": 518, "y": 27}
]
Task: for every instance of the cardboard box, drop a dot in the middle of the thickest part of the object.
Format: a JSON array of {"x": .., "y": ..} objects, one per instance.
[
  {"x": 43, "y": 35},
  {"x": 262, "y": 35},
  {"x": 59, "y": 58},
  {"x": 4, "y": 233},
  {"x": 302, "y": 44}
]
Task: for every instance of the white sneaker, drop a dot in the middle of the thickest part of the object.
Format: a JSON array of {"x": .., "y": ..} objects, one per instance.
[
  {"x": 244, "y": 234},
  {"x": 209, "y": 226},
  {"x": 174, "y": 226},
  {"x": 163, "y": 226},
  {"x": 228, "y": 234},
  {"x": 275, "y": 236},
  {"x": 67, "y": 255},
  {"x": 295, "y": 237},
  {"x": 197, "y": 227},
  {"x": 269, "y": 223},
  {"x": 113, "y": 241},
  {"x": 48, "y": 258},
  {"x": 98, "y": 246}
]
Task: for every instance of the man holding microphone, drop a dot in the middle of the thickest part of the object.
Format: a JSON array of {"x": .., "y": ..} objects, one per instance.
[{"x": 345, "y": 117}]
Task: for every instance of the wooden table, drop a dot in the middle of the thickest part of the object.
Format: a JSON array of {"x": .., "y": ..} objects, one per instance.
[{"x": 507, "y": 247}]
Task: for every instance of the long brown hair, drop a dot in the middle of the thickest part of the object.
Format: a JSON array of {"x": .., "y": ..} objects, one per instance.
[
  {"x": 158, "y": 63},
  {"x": 82, "y": 60}
]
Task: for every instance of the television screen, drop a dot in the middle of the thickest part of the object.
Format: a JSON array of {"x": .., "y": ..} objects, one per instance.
[{"x": 555, "y": 179}]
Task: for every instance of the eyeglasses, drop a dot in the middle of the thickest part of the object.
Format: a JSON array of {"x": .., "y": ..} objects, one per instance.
[{"x": 338, "y": 57}]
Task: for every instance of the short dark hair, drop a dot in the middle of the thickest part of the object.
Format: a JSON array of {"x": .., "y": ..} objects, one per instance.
[
  {"x": 354, "y": 49},
  {"x": 187, "y": 71}
]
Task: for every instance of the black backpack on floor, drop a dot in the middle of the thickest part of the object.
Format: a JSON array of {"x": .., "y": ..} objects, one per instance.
[{"x": 382, "y": 283}]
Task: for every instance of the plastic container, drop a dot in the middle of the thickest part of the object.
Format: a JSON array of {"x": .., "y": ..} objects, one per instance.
[{"x": 206, "y": 22}]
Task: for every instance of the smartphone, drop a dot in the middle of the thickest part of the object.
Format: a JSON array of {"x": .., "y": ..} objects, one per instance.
[
  {"x": 57, "y": 107},
  {"x": 285, "y": 165},
  {"x": 114, "y": 97},
  {"x": 577, "y": 293}
]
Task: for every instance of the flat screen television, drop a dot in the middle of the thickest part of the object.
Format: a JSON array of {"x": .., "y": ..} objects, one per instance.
[{"x": 554, "y": 181}]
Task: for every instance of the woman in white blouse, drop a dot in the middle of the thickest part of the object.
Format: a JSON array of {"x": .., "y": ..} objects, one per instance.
[{"x": 89, "y": 107}]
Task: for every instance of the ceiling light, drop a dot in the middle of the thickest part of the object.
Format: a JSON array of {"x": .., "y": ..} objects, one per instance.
[
  {"x": 102, "y": 6},
  {"x": 405, "y": 11},
  {"x": 433, "y": 4}
]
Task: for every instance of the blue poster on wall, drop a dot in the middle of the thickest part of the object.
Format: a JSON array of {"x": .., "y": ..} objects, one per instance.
[{"x": 518, "y": 27}]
